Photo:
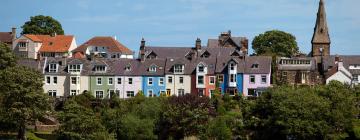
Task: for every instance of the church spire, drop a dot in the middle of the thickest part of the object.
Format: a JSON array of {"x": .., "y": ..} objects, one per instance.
[{"x": 321, "y": 39}]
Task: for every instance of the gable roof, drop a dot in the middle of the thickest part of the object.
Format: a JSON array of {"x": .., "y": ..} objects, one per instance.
[
  {"x": 329, "y": 62},
  {"x": 58, "y": 43},
  {"x": 104, "y": 41},
  {"x": 264, "y": 65}
]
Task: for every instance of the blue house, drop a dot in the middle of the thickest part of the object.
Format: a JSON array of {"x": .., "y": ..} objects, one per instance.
[
  {"x": 153, "y": 77},
  {"x": 231, "y": 77},
  {"x": 153, "y": 85}
]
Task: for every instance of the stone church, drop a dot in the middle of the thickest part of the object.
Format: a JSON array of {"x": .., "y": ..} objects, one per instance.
[{"x": 319, "y": 65}]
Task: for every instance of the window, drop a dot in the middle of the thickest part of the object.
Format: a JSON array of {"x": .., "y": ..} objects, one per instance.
[
  {"x": 178, "y": 68},
  {"x": 55, "y": 80},
  {"x": 48, "y": 80},
  {"x": 130, "y": 93},
  {"x": 52, "y": 93},
  {"x": 255, "y": 66},
  {"x": 161, "y": 81},
  {"x": 162, "y": 92},
  {"x": 100, "y": 68},
  {"x": 181, "y": 92},
  {"x": 200, "y": 80},
  {"x": 152, "y": 69},
  {"x": 232, "y": 78},
  {"x": 170, "y": 79},
  {"x": 130, "y": 81},
  {"x": 99, "y": 81},
  {"x": 99, "y": 94},
  {"x": 75, "y": 80},
  {"x": 22, "y": 44},
  {"x": 232, "y": 66},
  {"x": 356, "y": 78},
  {"x": 151, "y": 94},
  {"x": 74, "y": 92},
  {"x": 221, "y": 78},
  {"x": 212, "y": 80},
  {"x": 252, "y": 79},
  {"x": 119, "y": 81},
  {"x": 74, "y": 68},
  {"x": 128, "y": 67},
  {"x": 52, "y": 68},
  {"x": 201, "y": 68},
  {"x": 150, "y": 81},
  {"x": 110, "y": 81},
  {"x": 168, "y": 92},
  {"x": 201, "y": 92},
  {"x": 263, "y": 79},
  {"x": 181, "y": 80}
]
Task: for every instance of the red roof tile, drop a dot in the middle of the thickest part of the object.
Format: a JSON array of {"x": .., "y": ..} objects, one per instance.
[
  {"x": 109, "y": 42},
  {"x": 58, "y": 43}
]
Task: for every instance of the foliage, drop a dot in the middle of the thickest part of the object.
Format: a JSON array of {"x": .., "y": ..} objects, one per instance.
[
  {"x": 42, "y": 25},
  {"x": 78, "y": 122},
  {"x": 22, "y": 97},
  {"x": 276, "y": 43},
  {"x": 184, "y": 116},
  {"x": 7, "y": 57}
]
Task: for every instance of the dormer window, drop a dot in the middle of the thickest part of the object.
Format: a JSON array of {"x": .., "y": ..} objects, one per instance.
[
  {"x": 255, "y": 66},
  {"x": 206, "y": 54},
  {"x": 22, "y": 44},
  {"x": 53, "y": 67},
  {"x": 100, "y": 68},
  {"x": 232, "y": 66},
  {"x": 74, "y": 68},
  {"x": 201, "y": 68},
  {"x": 179, "y": 68},
  {"x": 152, "y": 68},
  {"x": 128, "y": 67}
]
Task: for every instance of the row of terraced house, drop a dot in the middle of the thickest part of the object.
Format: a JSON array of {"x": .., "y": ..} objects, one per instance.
[{"x": 107, "y": 68}]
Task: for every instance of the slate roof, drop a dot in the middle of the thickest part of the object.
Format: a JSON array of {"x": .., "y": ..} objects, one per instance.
[
  {"x": 329, "y": 62},
  {"x": 263, "y": 62},
  {"x": 104, "y": 41},
  {"x": 32, "y": 63},
  {"x": 143, "y": 68},
  {"x": 212, "y": 43},
  {"x": 6, "y": 37}
]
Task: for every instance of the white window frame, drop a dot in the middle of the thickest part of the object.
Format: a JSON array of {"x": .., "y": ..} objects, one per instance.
[
  {"x": 262, "y": 78},
  {"x": 77, "y": 80},
  {"x": 150, "y": 81},
  {"x": 96, "y": 94},
  {"x": 152, "y": 93},
  {"x": 232, "y": 78},
  {"x": 181, "y": 92},
  {"x": 232, "y": 66},
  {"x": 74, "y": 68},
  {"x": 172, "y": 79},
  {"x": 55, "y": 77},
  {"x": 53, "y": 69},
  {"x": 203, "y": 79},
  {"x": 214, "y": 81},
  {"x": 152, "y": 68},
  {"x": 250, "y": 77},
  {"x": 181, "y": 80},
  {"x": 179, "y": 69},
  {"x": 161, "y": 81},
  {"x": 52, "y": 93},
  {"x": 119, "y": 80},
  {"x": 127, "y": 93},
  {"x": 130, "y": 81},
  {"x": 112, "y": 80},
  {"x": 47, "y": 80},
  {"x": 100, "y": 68},
  {"x": 72, "y": 93},
  {"x": 97, "y": 80}
]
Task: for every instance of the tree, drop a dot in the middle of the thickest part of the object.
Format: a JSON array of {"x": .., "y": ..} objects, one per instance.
[
  {"x": 7, "y": 57},
  {"x": 22, "y": 97},
  {"x": 78, "y": 122},
  {"x": 276, "y": 43},
  {"x": 184, "y": 116},
  {"x": 42, "y": 25}
]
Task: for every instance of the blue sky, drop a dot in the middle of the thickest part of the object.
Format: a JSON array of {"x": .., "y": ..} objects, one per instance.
[{"x": 180, "y": 22}]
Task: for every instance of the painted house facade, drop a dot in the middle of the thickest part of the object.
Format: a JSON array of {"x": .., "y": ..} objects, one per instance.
[
  {"x": 257, "y": 75},
  {"x": 34, "y": 46},
  {"x": 153, "y": 77}
]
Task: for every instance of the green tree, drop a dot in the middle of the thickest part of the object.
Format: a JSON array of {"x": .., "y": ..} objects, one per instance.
[
  {"x": 78, "y": 122},
  {"x": 276, "y": 43},
  {"x": 42, "y": 25},
  {"x": 7, "y": 57},
  {"x": 22, "y": 97},
  {"x": 183, "y": 116}
]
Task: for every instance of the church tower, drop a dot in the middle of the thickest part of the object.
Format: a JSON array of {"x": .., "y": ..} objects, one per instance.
[{"x": 321, "y": 39}]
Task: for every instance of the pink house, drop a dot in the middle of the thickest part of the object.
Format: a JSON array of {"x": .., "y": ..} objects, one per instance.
[{"x": 256, "y": 75}]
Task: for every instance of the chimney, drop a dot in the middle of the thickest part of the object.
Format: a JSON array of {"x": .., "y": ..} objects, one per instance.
[
  {"x": 337, "y": 59},
  {"x": 142, "y": 50},
  {"x": 198, "y": 44},
  {"x": 54, "y": 34},
  {"x": 223, "y": 36},
  {"x": 115, "y": 37},
  {"x": 13, "y": 33},
  {"x": 340, "y": 63}
]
